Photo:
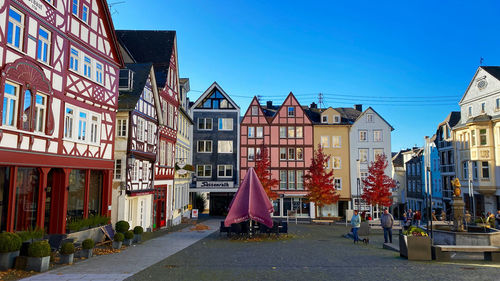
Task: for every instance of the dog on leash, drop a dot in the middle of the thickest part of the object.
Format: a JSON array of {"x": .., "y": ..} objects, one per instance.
[{"x": 366, "y": 241}]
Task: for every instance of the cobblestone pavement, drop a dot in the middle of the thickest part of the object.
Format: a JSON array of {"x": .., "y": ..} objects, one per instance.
[
  {"x": 315, "y": 252},
  {"x": 130, "y": 261}
]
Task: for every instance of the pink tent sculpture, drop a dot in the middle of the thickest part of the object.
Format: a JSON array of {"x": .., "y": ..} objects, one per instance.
[{"x": 250, "y": 202}]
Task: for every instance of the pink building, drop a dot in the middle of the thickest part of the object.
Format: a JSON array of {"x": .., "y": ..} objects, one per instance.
[{"x": 287, "y": 132}]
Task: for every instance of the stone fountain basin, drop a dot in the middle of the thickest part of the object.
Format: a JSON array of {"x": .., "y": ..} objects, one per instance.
[{"x": 475, "y": 236}]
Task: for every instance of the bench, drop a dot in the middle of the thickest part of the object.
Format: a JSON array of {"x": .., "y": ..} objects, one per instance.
[
  {"x": 291, "y": 215},
  {"x": 443, "y": 252},
  {"x": 329, "y": 222}
]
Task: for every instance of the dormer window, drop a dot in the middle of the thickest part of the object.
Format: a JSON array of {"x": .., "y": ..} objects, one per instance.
[
  {"x": 324, "y": 119},
  {"x": 291, "y": 111},
  {"x": 336, "y": 119}
]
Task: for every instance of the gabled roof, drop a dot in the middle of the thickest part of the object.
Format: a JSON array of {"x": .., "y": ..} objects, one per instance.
[
  {"x": 492, "y": 70},
  {"x": 370, "y": 108},
  {"x": 127, "y": 99},
  {"x": 111, "y": 32},
  {"x": 347, "y": 115},
  {"x": 153, "y": 46},
  {"x": 209, "y": 91}
]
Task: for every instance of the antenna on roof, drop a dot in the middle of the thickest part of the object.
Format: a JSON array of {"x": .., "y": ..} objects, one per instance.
[
  {"x": 481, "y": 60},
  {"x": 259, "y": 97},
  {"x": 321, "y": 101},
  {"x": 113, "y": 10}
]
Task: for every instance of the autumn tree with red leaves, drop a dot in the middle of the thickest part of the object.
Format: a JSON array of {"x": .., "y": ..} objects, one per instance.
[
  {"x": 319, "y": 182},
  {"x": 262, "y": 168},
  {"x": 377, "y": 186}
]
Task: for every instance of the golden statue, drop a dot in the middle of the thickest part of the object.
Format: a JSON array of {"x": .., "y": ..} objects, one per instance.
[{"x": 456, "y": 184}]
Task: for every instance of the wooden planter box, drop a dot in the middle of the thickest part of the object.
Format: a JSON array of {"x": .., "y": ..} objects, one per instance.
[{"x": 416, "y": 248}]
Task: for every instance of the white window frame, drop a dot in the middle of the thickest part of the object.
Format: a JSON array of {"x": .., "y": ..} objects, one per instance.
[
  {"x": 95, "y": 128},
  {"x": 301, "y": 153},
  {"x": 205, "y": 143},
  {"x": 225, "y": 124},
  {"x": 205, "y": 171},
  {"x": 74, "y": 59},
  {"x": 43, "y": 45},
  {"x": 297, "y": 134},
  {"x": 99, "y": 72},
  {"x": 369, "y": 118},
  {"x": 291, "y": 111},
  {"x": 336, "y": 119},
  {"x": 87, "y": 67},
  {"x": 365, "y": 150},
  {"x": 283, "y": 179},
  {"x": 140, "y": 129},
  {"x": 251, "y": 132},
  {"x": 291, "y": 132},
  {"x": 204, "y": 123},
  {"x": 325, "y": 141},
  {"x": 251, "y": 154},
  {"x": 254, "y": 110},
  {"x": 324, "y": 119},
  {"x": 339, "y": 166},
  {"x": 170, "y": 116},
  {"x": 121, "y": 128},
  {"x": 291, "y": 152},
  {"x": 73, "y": 2},
  {"x": 291, "y": 179},
  {"x": 145, "y": 170},
  {"x": 223, "y": 143},
  {"x": 283, "y": 132},
  {"x": 379, "y": 137},
  {"x": 300, "y": 179},
  {"x": 377, "y": 151},
  {"x": 361, "y": 134},
  {"x": 337, "y": 183},
  {"x": 82, "y": 126},
  {"x": 150, "y": 132},
  {"x": 163, "y": 152},
  {"x": 86, "y": 20},
  {"x": 259, "y": 132},
  {"x": 339, "y": 141},
  {"x": 224, "y": 170},
  {"x": 281, "y": 153},
  {"x": 17, "y": 27},
  {"x": 118, "y": 169},
  {"x": 11, "y": 101}
]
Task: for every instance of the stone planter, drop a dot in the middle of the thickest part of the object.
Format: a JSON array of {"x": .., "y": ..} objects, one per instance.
[
  {"x": 66, "y": 259},
  {"x": 7, "y": 260},
  {"x": 416, "y": 248},
  {"x": 38, "y": 264},
  {"x": 117, "y": 245},
  {"x": 127, "y": 242},
  {"x": 137, "y": 238},
  {"x": 86, "y": 253}
]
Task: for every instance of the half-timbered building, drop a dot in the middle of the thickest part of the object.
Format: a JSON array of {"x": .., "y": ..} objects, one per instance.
[
  {"x": 136, "y": 145},
  {"x": 160, "y": 49},
  {"x": 59, "y": 64},
  {"x": 287, "y": 132}
]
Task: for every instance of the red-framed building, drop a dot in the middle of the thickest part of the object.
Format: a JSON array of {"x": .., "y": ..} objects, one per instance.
[
  {"x": 159, "y": 48},
  {"x": 287, "y": 132},
  {"x": 59, "y": 62}
]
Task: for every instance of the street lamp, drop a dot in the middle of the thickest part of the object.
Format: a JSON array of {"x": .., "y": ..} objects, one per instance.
[
  {"x": 471, "y": 190},
  {"x": 359, "y": 185}
]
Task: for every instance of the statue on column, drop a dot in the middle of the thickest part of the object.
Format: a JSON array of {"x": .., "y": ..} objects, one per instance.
[{"x": 458, "y": 206}]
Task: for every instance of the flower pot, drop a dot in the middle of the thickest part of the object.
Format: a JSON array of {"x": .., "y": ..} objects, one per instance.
[
  {"x": 38, "y": 264},
  {"x": 117, "y": 245},
  {"x": 66, "y": 259},
  {"x": 127, "y": 242},
  {"x": 86, "y": 253},
  {"x": 417, "y": 248},
  {"x": 137, "y": 238},
  {"x": 7, "y": 260}
]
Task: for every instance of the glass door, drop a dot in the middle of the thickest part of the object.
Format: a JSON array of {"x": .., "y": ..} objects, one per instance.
[{"x": 4, "y": 196}]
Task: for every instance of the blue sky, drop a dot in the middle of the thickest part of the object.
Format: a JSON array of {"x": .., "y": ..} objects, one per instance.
[{"x": 411, "y": 62}]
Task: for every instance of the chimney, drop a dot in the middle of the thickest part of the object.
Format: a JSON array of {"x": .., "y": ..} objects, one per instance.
[
  {"x": 269, "y": 104},
  {"x": 314, "y": 105},
  {"x": 359, "y": 107}
]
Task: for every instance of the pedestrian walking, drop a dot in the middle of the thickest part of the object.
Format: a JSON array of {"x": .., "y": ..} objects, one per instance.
[
  {"x": 387, "y": 221},
  {"x": 410, "y": 217},
  {"x": 434, "y": 218},
  {"x": 443, "y": 215},
  {"x": 417, "y": 217},
  {"x": 355, "y": 223}
]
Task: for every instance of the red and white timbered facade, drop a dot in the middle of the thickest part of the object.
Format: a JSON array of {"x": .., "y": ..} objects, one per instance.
[
  {"x": 59, "y": 64},
  {"x": 287, "y": 133}
]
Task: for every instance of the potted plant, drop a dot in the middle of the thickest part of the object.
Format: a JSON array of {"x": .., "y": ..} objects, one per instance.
[
  {"x": 138, "y": 230},
  {"x": 122, "y": 226},
  {"x": 118, "y": 239},
  {"x": 415, "y": 244},
  {"x": 38, "y": 256},
  {"x": 67, "y": 253},
  {"x": 29, "y": 236},
  {"x": 87, "y": 246},
  {"x": 129, "y": 237},
  {"x": 10, "y": 244}
]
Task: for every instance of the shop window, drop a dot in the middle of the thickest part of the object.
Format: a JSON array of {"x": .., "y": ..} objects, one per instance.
[
  {"x": 26, "y": 199},
  {"x": 95, "y": 193},
  {"x": 4, "y": 196},
  {"x": 76, "y": 195}
]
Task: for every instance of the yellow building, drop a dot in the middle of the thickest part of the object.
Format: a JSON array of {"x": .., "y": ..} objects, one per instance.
[{"x": 331, "y": 131}]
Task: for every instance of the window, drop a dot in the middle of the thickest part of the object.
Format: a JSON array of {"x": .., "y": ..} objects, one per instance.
[
  {"x": 377, "y": 135},
  {"x": 257, "y": 153},
  {"x": 163, "y": 149},
  {"x": 170, "y": 154},
  {"x": 363, "y": 135},
  {"x": 483, "y": 107},
  {"x": 145, "y": 170},
  {"x": 94, "y": 129},
  {"x": 291, "y": 132},
  {"x": 73, "y": 60},
  {"x": 300, "y": 179},
  {"x": 485, "y": 169},
  {"x": 336, "y": 141},
  {"x": 300, "y": 153},
  {"x": 299, "y": 132},
  {"x": 118, "y": 169},
  {"x": 369, "y": 118},
  {"x": 282, "y": 132},
  {"x": 337, "y": 182},
  {"x": 363, "y": 155},
  {"x": 336, "y": 119},
  {"x": 465, "y": 170},
  {"x": 15, "y": 29},
  {"x": 140, "y": 129},
  {"x": 251, "y": 132},
  {"x": 82, "y": 126},
  {"x": 150, "y": 132},
  {"x": 283, "y": 178},
  {"x": 43, "y": 51},
  {"x": 204, "y": 123},
  {"x": 255, "y": 110},
  {"x": 336, "y": 162},
  {"x": 121, "y": 129},
  {"x": 483, "y": 137},
  {"x": 85, "y": 13},
  {"x": 324, "y": 119},
  {"x": 259, "y": 132},
  {"x": 291, "y": 179},
  {"x": 74, "y": 7},
  {"x": 473, "y": 137},
  {"x": 9, "y": 109},
  {"x": 291, "y": 153},
  {"x": 377, "y": 152},
  {"x": 69, "y": 116},
  {"x": 171, "y": 116},
  {"x": 98, "y": 73},
  {"x": 282, "y": 153},
  {"x": 324, "y": 141},
  {"x": 225, "y": 124},
  {"x": 497, "y": 103},
  {"x": 291, "y": 111},
  {"x": 205, "y": 146},
  {"x": 225, "y": 171},
  {"x": 251, "y": 154},
  {"x": 204, "y": 171},
  {"x": 225, "y": 146},
  {"x": 470, "y": 111}
]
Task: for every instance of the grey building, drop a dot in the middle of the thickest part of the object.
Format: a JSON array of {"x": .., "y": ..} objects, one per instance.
[
  {"x": 216, "y": 147},
  {"x": 414, "y": 182}
]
